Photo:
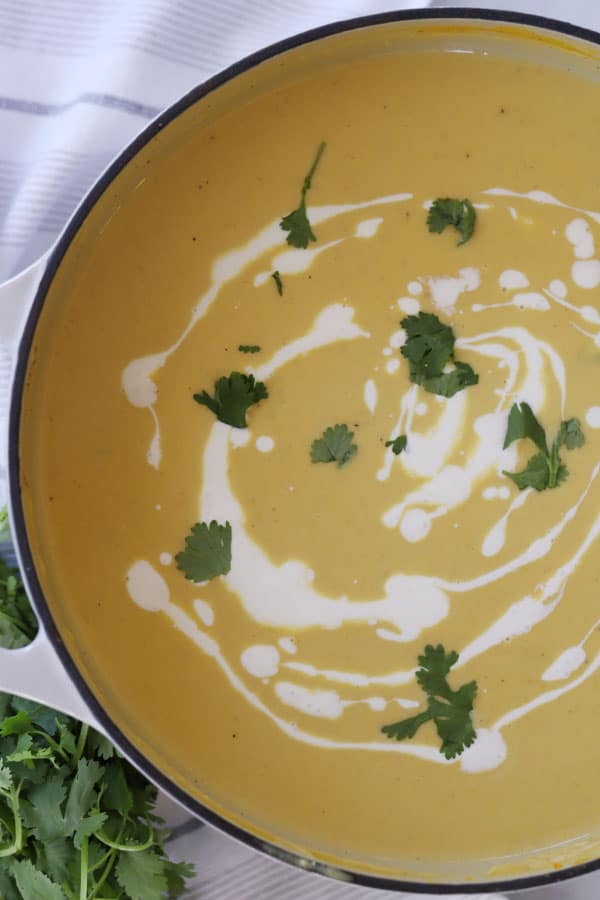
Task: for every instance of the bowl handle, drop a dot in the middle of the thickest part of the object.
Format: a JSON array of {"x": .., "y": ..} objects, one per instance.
[{"x": 37, "y": 673}]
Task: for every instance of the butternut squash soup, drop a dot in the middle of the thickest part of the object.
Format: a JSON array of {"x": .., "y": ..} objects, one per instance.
[{"x": 311, "y": 450}]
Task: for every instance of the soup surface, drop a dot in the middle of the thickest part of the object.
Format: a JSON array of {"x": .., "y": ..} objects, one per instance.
[{"x": 263, "y": 690}]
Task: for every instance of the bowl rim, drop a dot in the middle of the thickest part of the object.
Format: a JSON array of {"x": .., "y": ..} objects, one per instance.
[{"x": 19, "y": 532}]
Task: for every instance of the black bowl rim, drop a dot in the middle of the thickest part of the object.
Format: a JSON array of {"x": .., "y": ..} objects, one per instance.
[{"x": 19, "y": 531}]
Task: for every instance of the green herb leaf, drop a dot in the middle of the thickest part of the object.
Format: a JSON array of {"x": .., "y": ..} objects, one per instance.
[
  {"x": 429, "y": 348},
  {"x": 249, "y": 348},
  {"x": 522, "y": 423},
  {"x": 233, "y": 396},
  {"x": 17, "y": 724},
  {"x": 545, "y": 469},
  {"x": 18, "y": 625},
  {"x": 449, "y": 211},
  {"x": 335, "y": 445},
  {"x": 33, "y": 884},
  {"x": 47, "y": 821},
  {"x": 207, "y": 552},
  {"x": 296, "y": 222},
  {"x": 535, "y": 475},
  {"x": 570, "y": 435},
  {"x": 277, "y": 277},
  {"x": 142, "y": 875},
  {"x": 449, "y": 383},
  {"x": 448, "y": 709},
  {"x": 397, "y": 444}
]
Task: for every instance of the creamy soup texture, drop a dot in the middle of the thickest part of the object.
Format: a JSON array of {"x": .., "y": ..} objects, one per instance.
[{"x": 263, "y": 691}]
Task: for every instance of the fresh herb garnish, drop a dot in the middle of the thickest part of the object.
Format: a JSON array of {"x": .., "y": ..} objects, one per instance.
[
  {"x": 77, "y": 821},
  {"x": 449, "y": 710},
  {"x": 296, "y": 222},
  {"x": 545, "y": 469},
  {"x": 232, "y": 398},
  {"x": 429, "y": 348},
  {"x": 448, "y": 211},
  {"x": 277, "y": 278},
  {"x": 207, "y": 552},
  {"x": 398, "y": 444},
  {"x": 18, "y": 625},
  {"x": 249, "y": 348},
  {"x": 335, "y": 445}
]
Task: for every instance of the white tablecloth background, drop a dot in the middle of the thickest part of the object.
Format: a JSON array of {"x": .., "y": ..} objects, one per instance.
[{"x": 78, "y": 80}]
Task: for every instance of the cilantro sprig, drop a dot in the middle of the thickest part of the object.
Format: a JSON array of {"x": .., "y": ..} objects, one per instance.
[
  {"x": 233, "y": 396},
  {"x": 207, "y": 552},
  {"x": 449, "y": 710},
  {"x": 429, "y": 349},
  {"x": 335, "y": 445},
  {"x": 296, "y": 223},
  {"x": 447, "y": 211},
  {"x": 544, "y": 469},
  {"x": 77, "y": 821},
  {"x": 397, "y": 444}
]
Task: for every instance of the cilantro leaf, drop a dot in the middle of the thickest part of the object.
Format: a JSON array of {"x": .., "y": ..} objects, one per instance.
[
  {"x": 277, "y": 277},
  {"x": 335, "y": 445},
  {"x": 449, "y": 383},
  {"x": 232, "y": 398},
  {"x": 406, "y": 728},
  {"x": 82, "y": 817},
  {"x": 47, "y": 821},
  {"x": 570, "y": 435},
  {"x": 429, "y": 347},
  {"x": 17, "y": 724},
  {"x": 207, "y": 552},
  {"x": 448, "y": 211},
  {"x": 429, "y": 343},
  {"x": 101, "y": 745},
  {"x": 450, "y": 710},
  {"x": 296, "y": 222},
  {"x": 33, "y": 884},
  {"x": 397, "y": 444},
  {"x": 249, "y": 348},
  {"x": 545, "y": 469},
  {"x": 18, "y": 625},
  {"x": 142, "y": 875},
  {"x": 117, "y": 796},
  {"x": 535, "y": 475},
  {"x": 522, "y": 423}
]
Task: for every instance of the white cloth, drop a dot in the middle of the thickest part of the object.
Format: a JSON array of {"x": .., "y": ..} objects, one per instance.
[{"x": 78, "y": 80}]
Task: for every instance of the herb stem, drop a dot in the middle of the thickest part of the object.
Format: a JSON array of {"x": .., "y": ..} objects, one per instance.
[
  {"x": 80, "y": 744},
  {"x": 127, "y": 848},
  {"x": 52, "y": 744},
  {"x": 110, "y": 858},
  {"x": 312, "y": 170},
  {"x": 17, "y": 842},
  {"x": 84, "y": 869}
]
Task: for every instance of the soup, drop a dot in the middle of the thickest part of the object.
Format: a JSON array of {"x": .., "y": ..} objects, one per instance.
[{"x": 363, "y": 514}]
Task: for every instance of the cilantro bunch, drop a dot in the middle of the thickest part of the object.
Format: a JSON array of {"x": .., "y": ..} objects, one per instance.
[{"x": 76, "y": 819}]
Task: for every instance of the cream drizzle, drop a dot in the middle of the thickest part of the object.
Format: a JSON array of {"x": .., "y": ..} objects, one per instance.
[{"x": 448, "y": 487}]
